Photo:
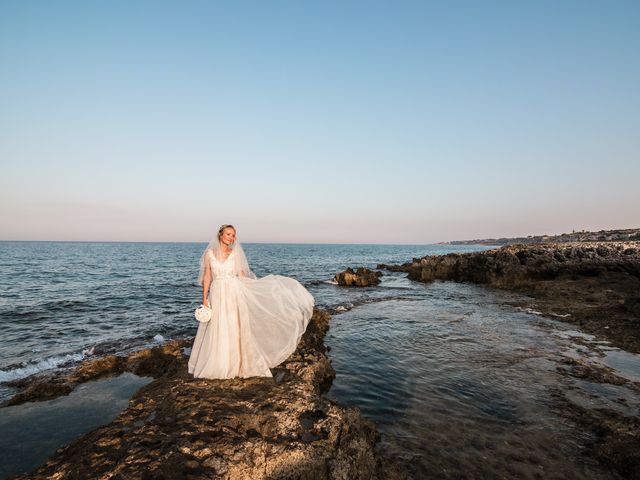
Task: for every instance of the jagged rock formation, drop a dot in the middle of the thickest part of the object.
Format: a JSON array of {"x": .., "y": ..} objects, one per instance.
[
  {"x": 178, "y": 427},
  {"x": 361, "y": 277}
]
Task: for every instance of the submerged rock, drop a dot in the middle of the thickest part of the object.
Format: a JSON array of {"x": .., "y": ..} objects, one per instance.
[
  {"x": 180, "y": 427},
  {"x": 361, "y": 277}
]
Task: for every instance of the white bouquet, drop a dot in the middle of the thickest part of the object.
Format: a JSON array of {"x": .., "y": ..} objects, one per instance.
[{"x": 203, "y": 314}]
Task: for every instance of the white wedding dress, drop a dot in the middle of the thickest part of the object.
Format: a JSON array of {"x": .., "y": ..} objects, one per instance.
[{"x": 255, "y": 324}]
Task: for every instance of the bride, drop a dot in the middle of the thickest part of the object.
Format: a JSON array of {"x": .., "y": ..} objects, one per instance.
[{"x": 255, "y": 323}]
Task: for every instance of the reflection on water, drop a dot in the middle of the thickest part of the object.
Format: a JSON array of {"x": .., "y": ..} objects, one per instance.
[
  {"x": 31, "y": 432},
  {"x": 462, "y": 385},
  {"x": 626, "y": 364}
]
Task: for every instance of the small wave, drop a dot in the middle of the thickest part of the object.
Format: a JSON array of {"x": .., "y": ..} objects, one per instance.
[
  {"x": 344, "y": 308},
  {"x": 68, "y": 305},
  {"x": 89, "y": 351},
  {"x": 39, "y": 311},
  {"x": 41, "y": 366},
  {"x": 315, "y": 283},
  {"x": 158, "y": 338},
  {"x": 334, "y": 282},
  {"x": 529, "y": 310}
]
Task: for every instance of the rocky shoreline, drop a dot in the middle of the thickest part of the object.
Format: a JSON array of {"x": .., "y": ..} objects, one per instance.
[
  {"x": 593, "y": 285},
  {"x": 178, "y": 427}
]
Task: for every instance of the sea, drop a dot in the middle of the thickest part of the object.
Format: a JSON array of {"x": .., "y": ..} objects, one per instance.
[{"x": 461, "y": 382}]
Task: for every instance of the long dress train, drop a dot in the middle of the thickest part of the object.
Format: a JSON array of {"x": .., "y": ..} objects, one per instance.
[{"x": 255, "y": 324}]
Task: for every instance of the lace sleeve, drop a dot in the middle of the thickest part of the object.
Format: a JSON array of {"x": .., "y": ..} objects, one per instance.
[{"x": 205, "y": 267}]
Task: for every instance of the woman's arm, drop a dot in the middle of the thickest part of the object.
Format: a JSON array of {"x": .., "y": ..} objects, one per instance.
[{"x": 206, "y": 283}]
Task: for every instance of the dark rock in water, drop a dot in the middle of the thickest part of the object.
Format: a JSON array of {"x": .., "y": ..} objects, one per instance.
[
  {"x": 254, "y": 428},
  {"x": 405, "y": 267},
  {"x": 361, "y": 277},
  {"x": 594, "y": 285}
]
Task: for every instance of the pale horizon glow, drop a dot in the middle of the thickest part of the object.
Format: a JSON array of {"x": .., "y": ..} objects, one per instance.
[{"x": 362, "y": 122}]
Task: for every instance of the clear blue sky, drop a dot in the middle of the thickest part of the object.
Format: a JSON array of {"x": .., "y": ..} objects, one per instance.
[{"x": 363, "y": 122}]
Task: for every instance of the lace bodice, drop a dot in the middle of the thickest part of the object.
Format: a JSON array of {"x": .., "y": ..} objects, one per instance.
[{"x": 222, "y": 269}]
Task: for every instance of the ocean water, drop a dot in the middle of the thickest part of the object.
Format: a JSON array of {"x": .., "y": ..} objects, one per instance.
[
  {"x": 461, "y": 383},
  {"x": 61, "y": 301}
]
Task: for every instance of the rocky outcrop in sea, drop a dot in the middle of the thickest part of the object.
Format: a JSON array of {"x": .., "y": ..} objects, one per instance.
[
  {"x": 360, "y": 277},
  {"x": 178, "y": 427}
]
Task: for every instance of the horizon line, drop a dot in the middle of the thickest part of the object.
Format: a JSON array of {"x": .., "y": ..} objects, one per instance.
[
  {"x": 206, "y": 242},
  {"x": 442, "y": 242}
]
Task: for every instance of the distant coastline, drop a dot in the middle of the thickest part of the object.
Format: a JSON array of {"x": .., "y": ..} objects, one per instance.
[
  {"x": 619, "y": 235},
  {"x": 581, "y": 236}
]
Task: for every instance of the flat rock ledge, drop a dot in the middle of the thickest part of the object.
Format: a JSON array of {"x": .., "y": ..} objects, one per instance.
[
  {"x": 361, "y": 277},
  {"x": 178, "y": 427},
  {"x": 595, "y": 285}
]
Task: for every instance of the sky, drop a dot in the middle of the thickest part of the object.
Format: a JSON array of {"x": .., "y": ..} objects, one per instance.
[{"x": 325, "y": 122}]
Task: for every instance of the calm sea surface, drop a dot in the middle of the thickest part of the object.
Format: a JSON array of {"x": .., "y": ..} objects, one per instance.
[{"x": 461, "y": 384}]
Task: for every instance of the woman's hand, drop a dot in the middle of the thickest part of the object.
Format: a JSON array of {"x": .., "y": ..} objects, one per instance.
[{"x": 205, "y": 302}]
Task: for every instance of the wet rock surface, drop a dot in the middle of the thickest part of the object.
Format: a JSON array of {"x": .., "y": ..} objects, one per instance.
[
  {"x": 593, "y": 285},
  {"x": 616, "y": 437},
  {"x": 611, "y": 419},
  {"x": 360, "y": 277},
  {"x": 178, "y": 427}
]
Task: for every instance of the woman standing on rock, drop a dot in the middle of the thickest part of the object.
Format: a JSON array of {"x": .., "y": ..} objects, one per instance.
[{"x": 255, "y": 323}]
